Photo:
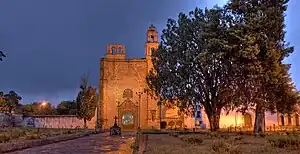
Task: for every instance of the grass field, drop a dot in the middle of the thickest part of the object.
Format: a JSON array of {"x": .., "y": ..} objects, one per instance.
[
  {"x": 19, "y": 134},
  {"x": 230, "y": 143}
]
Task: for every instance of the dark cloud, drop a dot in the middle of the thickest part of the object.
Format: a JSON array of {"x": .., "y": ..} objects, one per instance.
[{"x": 50, "y": 44}]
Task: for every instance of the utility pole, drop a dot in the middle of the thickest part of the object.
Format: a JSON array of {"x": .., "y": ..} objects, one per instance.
[{"x": 139, "y": 106}]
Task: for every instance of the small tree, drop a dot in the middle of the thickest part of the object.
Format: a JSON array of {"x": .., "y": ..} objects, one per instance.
[
  {"x": 86, "y": 101},
  {"x": 11, "y": 101}
]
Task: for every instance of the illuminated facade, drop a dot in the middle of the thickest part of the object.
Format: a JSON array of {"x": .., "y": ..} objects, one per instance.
[{"x": 122, "y": 84}]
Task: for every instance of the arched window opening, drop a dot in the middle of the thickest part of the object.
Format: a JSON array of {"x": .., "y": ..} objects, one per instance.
[
  {"x": 297, "y": 119},
  {"x": 247, "y": 120},
  {"x": 282, "y": 120},
  {"x": 120, "y": 51},
  {"x": 113, "y": 50},
  {"x": 127, "y": 93},
  {"x": 152, "y": 52},
  {"x": 152, "y": 38}
]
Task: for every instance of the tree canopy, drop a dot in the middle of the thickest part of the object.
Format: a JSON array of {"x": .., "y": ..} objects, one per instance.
[
  {"x": 10, "y": 101},
  {"x": 86, "y": 101},
  {"x": 67, "y": 108},
  {"x": 39, "y": 108},
  {"x": 226, "y": 58},
  {"x": 264, "y": 82},
  {"x": 194, "y": 63}
]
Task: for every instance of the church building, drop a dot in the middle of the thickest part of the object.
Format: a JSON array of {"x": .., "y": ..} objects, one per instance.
[{"x": 122, "y": 89}]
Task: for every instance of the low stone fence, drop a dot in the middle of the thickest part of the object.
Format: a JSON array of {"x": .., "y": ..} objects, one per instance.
[
  {"x": 44, "y": 121},
  {"x": 9, "y": 120},
  {"x": 52, "y": 121}
]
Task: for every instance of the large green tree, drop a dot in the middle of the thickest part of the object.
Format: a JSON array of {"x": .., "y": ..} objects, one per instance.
[
  {"x": 86, "y": 101},
  {"x": 263, "y": 83},
  {"x": 67, "y": 108},
  {"x": 194, "y": 63}
]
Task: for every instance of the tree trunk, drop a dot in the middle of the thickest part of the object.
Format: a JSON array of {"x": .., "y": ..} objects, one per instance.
[
  {"x": 259, "y": 124},
  {"x": 214, "y": 119},
  {"x": 214, "y": 122},
  {"x": 84, "y": 121}
]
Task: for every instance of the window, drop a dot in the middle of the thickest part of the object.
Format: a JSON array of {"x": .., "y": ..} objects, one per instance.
[
  {"x": 152, "y": 38},
  {"x": 127, "y": 119},
  {"x": 113, "y": 50},
  {"x": 127, "y": 93},
  {"x": 198, "y": 114},
  {"x": 153, "y": 113},
  {"x": 152, "y": 52},
  {"x": 282, "y": 120},
  {"x": 120, "y": 51}
]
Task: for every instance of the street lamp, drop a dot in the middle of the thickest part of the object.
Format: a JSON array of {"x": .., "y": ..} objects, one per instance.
[
  {"x": 44, "y": 103},
  {"x": 139, "y": 103}
]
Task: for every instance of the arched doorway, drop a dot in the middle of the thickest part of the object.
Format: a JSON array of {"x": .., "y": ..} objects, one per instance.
[
  {"x": 282, "y": 120},
  {"x": 127, "y": 112},
  {"x": 247, "y": 120},
  {"x": 297, "y": 119},
  {"x": 127, "y": 120}
]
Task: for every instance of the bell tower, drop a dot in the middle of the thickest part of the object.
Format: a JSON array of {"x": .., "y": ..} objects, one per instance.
[{"x": 152, "y": 42}]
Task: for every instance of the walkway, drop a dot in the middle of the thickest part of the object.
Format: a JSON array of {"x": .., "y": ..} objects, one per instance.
[{"x": 99, "y": 143}]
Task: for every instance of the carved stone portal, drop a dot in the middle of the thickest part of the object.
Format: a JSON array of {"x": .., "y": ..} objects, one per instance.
[{"x": 128, "y": 112}]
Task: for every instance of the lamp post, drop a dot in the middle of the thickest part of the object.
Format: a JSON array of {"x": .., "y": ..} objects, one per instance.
[{"x": 139, "y": 104}]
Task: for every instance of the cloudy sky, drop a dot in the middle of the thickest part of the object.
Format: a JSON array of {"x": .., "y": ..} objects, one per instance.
[{"x": 51, "y": 43}]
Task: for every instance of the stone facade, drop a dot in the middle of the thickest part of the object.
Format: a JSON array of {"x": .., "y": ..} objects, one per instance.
[{"x": 122, "y": 84}]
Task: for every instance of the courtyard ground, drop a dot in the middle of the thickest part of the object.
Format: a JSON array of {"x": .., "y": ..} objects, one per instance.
[
  {"x": 222, "y": 143},
  {"x": 8, "y": 135},
  {"x": 98, "y": 143}
]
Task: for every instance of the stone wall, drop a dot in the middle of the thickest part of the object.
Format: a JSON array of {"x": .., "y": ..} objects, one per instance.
[
  {"x": 7, "y": 120},
  {"x": 45, "y": 121},
  {"x": 53, "y": 121}
]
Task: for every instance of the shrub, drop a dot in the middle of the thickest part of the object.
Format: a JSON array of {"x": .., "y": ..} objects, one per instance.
[
  {"x": 220, "y": 146},
  {"x": 292, "y": 141},
  {"x": 214, "y": 135},
  {"x": 4, "y": 138},
  {"x": 32, "y": 136},
  {"x": 224, "y": 136},
  {"x": 193, "y": 140}
]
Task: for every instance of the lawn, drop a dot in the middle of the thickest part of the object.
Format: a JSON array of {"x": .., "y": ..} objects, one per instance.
[
  {"x": 232, "y": 143},
  {"x": 18, "y": 134}
]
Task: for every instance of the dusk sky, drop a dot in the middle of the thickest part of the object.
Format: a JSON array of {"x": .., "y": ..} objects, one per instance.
[{"x": 50, "y": 43}]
